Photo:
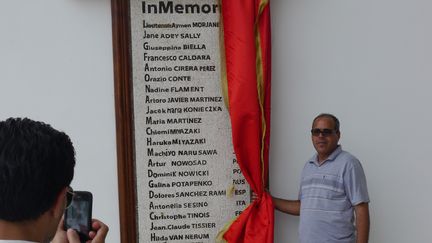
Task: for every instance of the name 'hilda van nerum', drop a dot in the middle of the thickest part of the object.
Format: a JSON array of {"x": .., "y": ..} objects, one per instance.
[{"x": 169, "y": 7}]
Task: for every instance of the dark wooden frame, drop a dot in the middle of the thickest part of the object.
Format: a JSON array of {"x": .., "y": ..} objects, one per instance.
[
  {"x": 124, "y": 120},
  {"x": 123, "y": 92}
]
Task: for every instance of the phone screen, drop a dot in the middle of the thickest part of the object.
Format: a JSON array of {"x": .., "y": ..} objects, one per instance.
[{"x": 78, "y": 214}]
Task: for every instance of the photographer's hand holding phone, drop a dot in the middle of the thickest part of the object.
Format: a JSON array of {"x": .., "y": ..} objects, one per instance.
[
  {"x": 77, "y": 225},
  {"x": 99, "y": 231},
  {"x": 97, "y": 234}
]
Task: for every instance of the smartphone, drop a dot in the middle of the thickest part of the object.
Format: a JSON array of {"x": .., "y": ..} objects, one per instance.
[{"x": 78, "y": 215}]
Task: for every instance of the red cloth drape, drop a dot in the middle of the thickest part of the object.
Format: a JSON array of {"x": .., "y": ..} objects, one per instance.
[{"x": 246, "y": 30}]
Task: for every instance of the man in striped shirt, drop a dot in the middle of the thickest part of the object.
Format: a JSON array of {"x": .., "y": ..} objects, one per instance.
[{"x": 333, "y": 197}]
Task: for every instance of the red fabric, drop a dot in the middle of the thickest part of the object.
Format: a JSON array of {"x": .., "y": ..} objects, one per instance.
[{"x": 256, "y": 222}]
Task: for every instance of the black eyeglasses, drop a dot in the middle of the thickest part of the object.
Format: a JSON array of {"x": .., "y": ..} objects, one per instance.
[
  {"x": 325, "y": 132},
  {"x": 69, "y": 196}
]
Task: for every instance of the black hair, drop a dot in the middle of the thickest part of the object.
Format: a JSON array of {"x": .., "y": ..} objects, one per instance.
[
  {"x": 334, "y": 118},
  {"x": 36, "y": 163}
]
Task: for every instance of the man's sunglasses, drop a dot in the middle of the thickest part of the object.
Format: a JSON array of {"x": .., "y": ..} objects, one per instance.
[
  {"x": 325, "y": 132},
  {"x": 69, "y": 196}
]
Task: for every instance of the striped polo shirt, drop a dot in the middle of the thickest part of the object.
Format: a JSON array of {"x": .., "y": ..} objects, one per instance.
[{"x": 328, "y": 194}]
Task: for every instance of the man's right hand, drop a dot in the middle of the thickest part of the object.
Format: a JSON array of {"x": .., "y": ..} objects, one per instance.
[
  {"x": 97, "y": 235},
  {"x": 99, "y": 232}
]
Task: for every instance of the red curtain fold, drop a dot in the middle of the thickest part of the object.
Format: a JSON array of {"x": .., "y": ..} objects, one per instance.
[{"x": 246, "y": 31}]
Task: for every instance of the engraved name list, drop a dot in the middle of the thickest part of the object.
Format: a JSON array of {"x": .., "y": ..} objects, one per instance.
[{"x": 188, "y": 181}]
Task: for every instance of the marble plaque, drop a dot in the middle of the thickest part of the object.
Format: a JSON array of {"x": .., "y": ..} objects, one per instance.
[{"x": 188, "y": 184}]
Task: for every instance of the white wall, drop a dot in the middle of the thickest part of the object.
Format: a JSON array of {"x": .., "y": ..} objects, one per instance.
[
  {"x": 369, "y": 63},
  {"x": 56, "y": 66}
]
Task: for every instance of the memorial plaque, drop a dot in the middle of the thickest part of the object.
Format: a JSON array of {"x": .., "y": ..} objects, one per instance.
[{"x": 186, "y": 179}]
